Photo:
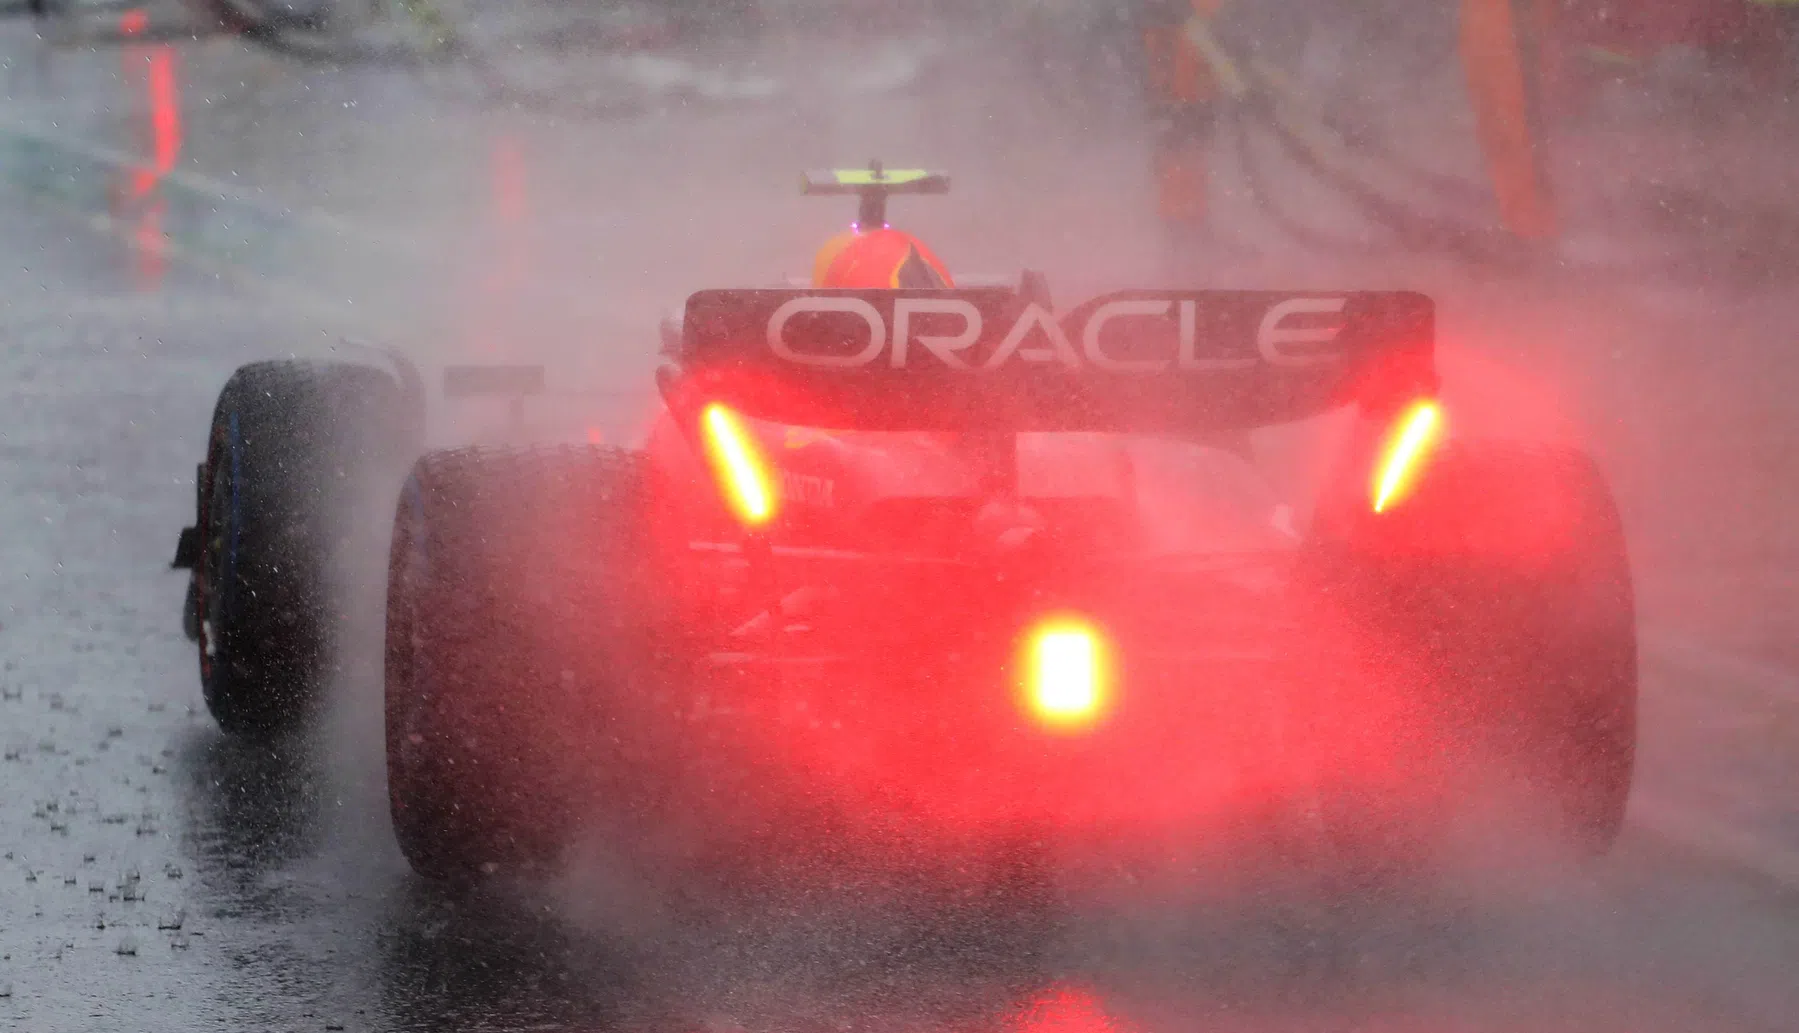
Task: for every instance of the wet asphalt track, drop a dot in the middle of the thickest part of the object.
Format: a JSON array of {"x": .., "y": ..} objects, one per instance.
[{"x": 156, "y": 876}]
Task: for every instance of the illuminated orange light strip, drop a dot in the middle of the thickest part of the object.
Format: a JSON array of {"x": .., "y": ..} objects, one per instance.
[
  {"x": 741, "y": 470},
  {"x": 1418, "y": 429},
  {"x": 165, "y": 108}
]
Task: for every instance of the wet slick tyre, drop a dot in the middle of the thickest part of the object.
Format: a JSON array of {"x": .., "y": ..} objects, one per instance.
[
  {"x": 509, "y": 623},
  {"x": 1494, "y": 617},
  {"x": 290, "y": 442}
]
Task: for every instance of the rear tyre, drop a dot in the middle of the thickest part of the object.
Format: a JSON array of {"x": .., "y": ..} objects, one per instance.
[
  {"x": 1496, "y": 604},
  {"x": 510, "y": 622},
  {"x": 290, "y": 442}
]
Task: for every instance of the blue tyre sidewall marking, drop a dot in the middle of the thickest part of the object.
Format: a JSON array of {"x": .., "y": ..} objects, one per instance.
[{"x": 234, "y": 454}]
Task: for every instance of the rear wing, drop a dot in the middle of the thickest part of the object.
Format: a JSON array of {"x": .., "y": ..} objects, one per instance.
[{"x": 991, "y": 359}]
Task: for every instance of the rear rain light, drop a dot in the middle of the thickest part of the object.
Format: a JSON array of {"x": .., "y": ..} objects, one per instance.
[
  {"x": 1067, "y": 674},
  {"x": 1409, "y": 444},
  {"x": 738, "y": 464}
]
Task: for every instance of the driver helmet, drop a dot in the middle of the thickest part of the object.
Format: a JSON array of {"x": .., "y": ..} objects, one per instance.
[{"x": 883, "y": 259}]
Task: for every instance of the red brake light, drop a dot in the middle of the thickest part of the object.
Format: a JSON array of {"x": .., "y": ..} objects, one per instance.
[
  {"x": 737, "y": 461},
  {"x": 1414, "y": 435},
  {"x": 1067, "y": 674}
]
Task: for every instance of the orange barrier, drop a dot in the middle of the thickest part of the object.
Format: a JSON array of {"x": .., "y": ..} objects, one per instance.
[
  {"x": 1183, "y": 86},
  {"x": 1503, "y": 43}
]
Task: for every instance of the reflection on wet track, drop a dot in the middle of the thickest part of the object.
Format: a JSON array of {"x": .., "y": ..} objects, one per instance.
[
  {"x": 153, "y": 68},
  {"x": 158, "y": 876}
]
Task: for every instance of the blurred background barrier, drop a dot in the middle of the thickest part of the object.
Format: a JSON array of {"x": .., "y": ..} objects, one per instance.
[{"x": 1467, "y": 128}]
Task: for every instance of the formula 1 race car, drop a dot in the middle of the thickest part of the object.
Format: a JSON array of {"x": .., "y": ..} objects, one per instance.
[{"x": 907, "y": 568}]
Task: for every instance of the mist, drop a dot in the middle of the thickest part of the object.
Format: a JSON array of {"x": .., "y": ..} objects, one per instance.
[{"x": 587, "y": 734}]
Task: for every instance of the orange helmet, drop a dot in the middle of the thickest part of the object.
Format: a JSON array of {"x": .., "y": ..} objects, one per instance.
[{"x": 883, "y": 259}]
